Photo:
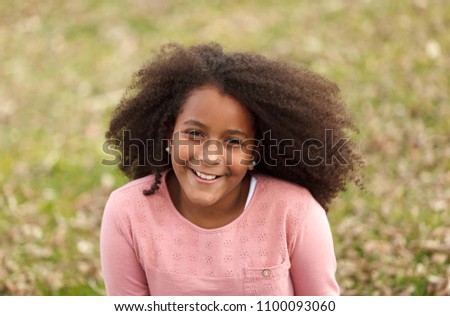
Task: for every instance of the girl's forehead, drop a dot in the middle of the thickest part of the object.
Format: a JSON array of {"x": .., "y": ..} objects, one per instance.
[{"x": 212, "y": 107}]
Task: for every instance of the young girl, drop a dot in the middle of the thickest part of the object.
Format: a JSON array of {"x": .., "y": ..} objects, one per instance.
[{"x": 234, "y": 160}]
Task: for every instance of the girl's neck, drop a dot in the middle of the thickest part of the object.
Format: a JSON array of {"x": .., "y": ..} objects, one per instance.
[{"x": 213, "y": 216}]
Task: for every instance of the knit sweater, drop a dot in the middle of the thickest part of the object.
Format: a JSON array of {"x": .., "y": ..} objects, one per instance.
[{"x": 281, "y": 244}]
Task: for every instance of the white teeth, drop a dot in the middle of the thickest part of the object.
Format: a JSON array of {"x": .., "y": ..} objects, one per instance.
[{"x": 205, "y": 176}]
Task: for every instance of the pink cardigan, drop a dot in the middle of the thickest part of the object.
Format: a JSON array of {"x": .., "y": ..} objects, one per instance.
[{"x": 280, "y": 245}]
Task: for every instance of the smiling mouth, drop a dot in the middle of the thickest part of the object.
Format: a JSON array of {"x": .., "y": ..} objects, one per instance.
[{"x": 205, "y": 176}]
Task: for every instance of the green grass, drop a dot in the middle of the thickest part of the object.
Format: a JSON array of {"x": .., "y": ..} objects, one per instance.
[{"x": 64, "y": 67}]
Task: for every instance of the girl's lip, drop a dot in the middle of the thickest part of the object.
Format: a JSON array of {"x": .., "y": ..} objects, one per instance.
[{"x": 200, "y": 180}]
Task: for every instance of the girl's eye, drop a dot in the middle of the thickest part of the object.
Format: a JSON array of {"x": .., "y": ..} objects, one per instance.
[
  {"x": 194, "y": 133},
  {"x": 234, "y": 142}
]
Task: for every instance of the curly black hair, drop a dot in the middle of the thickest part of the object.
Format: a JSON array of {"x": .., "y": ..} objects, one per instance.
[{"x": 291, "y": 102}]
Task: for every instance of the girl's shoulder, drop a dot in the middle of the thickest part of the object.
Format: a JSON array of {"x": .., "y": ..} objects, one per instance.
[
  {"x": 127, "y": 203},
  {"x": 283, "y": 201},
  {"x": 279, "y": 188},
  {"x": 133, "y": 188},
  {"x": 291, "y": 198}
]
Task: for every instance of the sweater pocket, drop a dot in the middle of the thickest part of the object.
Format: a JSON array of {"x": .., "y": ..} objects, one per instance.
[{"x": 266, "y": 281}]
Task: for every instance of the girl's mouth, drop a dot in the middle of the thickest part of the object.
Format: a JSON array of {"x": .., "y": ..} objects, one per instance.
[{"x": 205, "y": 176}]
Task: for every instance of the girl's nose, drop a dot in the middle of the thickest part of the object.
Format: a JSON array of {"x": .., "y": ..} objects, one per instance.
[{"x": 212, "y": 152}]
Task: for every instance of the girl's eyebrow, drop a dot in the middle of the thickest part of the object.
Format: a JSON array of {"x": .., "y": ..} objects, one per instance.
[
  {"x": 235, "y": 132},
  {"x": 194, "y": 122},
  {"x": 228, "y": 131}
]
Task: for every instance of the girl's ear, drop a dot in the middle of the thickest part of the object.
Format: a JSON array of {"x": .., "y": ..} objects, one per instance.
[
  {"x": 168, "y": 143},
  {"x": 256, "y": 153}
]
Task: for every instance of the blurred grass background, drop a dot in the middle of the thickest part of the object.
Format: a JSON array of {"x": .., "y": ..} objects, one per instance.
[{"x": 63, "y": 68}]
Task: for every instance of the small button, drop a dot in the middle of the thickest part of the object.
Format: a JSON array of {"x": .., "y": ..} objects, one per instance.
[{"x": 266, "y": 272}]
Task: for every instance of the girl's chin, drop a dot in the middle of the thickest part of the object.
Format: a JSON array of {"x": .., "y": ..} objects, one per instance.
[{"x": 201, "y": 200}]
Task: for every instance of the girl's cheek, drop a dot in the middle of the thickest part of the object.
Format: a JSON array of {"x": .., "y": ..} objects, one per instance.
[
  {"x": 182, "y": 152},
  {"x": 179, "y": 151},
  {"x": 247, "y": 154},
  {"x": 185, "y": 150},
  {"x": 240, "y": 157}
]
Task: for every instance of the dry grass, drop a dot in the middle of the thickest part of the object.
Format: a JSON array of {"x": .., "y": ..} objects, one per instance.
[{"x": 64, "y": 66}]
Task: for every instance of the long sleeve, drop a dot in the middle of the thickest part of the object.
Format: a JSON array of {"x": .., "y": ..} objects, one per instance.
[
  {"x": 122, "y": 271},
  {"x": 313, "y": 262}
]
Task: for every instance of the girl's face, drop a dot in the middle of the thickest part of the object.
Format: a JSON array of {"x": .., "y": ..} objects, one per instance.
[{"x": 211, "y": 147}]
